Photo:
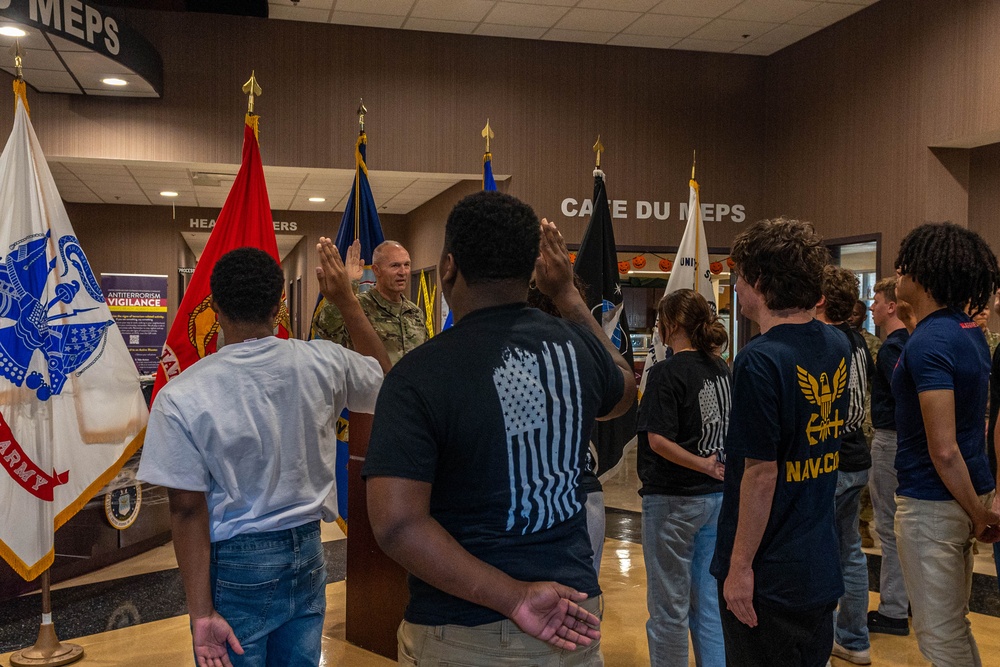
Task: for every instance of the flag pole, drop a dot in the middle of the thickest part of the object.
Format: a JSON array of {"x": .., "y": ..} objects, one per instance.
[
  {"x": 362, "y": 110},
  {"x": 598, "y": 148},
  {"x": 697, "y": 237},
  {"x": 47, "y": 649}
]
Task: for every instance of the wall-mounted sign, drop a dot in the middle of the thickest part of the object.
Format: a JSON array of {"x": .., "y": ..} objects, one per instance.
[
  {"x": 111, "y": 50},
  {"x": 655, "y": 210},
  {"x": 209, "y": 223},
  {"x": 139, "y": 305}
]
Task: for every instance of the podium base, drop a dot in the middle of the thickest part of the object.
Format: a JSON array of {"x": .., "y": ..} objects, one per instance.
[{"x": 48, "y": 650}]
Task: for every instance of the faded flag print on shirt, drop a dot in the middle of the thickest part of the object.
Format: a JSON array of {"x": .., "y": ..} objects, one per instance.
[{"x": 541, "y": 400}]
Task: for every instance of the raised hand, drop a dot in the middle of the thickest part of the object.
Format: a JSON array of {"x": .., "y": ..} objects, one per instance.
[
  {"x": 333, "y": 276},
  {"x": 355, "y": 265},
  {"x": 553, "y": 270},
  {"x": 549, "y": 611},
  {"x": 210, "y": 635}
]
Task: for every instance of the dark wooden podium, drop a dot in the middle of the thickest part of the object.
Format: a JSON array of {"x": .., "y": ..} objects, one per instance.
[{"x": 376, "y": 584}]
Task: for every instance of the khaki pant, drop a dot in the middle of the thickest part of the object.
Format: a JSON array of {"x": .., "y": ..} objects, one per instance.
[
  {"x": 934, "y": 539},
  {"x": 499, "y": 643}
]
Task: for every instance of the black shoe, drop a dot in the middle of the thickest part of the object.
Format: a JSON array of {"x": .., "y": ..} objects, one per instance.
[{"x": 887, "y": 626}]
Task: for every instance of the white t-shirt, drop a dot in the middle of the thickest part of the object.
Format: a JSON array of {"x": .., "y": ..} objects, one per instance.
[{"x": 255, "y": 427}]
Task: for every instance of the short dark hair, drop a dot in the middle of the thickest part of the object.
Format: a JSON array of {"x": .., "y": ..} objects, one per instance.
[
  {"x": 784, "y": 260},
  {"x": 840, "y": 287},
  {"x": 246, "y": 285},
  {"x": 493, "y": 237},
  {"x": 954, "y": 264}
]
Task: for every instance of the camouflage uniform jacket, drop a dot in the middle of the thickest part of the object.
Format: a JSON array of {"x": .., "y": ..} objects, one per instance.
[
  {"x": 992, "y": 339},
  {"x": 400, "y": 326}
]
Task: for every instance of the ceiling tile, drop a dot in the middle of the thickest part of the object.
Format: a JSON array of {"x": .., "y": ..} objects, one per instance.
[
  {"x": 65, "y": 46},
  {"x": 38, "y": 59},
  {"x": 48, "y": 80},
  {"x": 304, "y": 4},
  {"x": 292, "y": 13},
  {"x": 452, "y": 10},
  {"x": 723, "y": 30},
  {"x": 508, "y": 13},
  {"x": 596, "y": 20},
  {"x": 32, "y": 40},
  {"x": 435, "y": 25},
  {"x": 555, "y": 35},
  {"x": 825, "y": 14},
  {"x": 520, "y": 32},
  {"x": 367, "y": 20},
  {"x": 645, "y": 41},
  {"x": 774, "y": 11},
  {"x": 385, "y": 7},
  {"x": 620, "y": 5},
  {"x": 706, "y": 45},
  {"x": 786, "y": 34},
  {"x": 663, "y": 25},
  {"x": 551, "y": 3},
  {"x": 707, "y": 8}
]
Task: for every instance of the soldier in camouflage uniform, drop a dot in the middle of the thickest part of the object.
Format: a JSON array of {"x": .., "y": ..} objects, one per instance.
[
  {"x": 992, "y": 338},
  {"x": 398, "y": 321}
]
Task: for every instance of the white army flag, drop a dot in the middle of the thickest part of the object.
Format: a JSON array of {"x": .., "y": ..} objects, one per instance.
[
  {"x": 690, "y": 271},
  {"x": 71, "y": 408}
]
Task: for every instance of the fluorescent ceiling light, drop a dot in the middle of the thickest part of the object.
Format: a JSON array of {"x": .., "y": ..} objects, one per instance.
[
  {"x": 112, "y": 81},
  {"x": 317, "y": 199},
  {"x": 11, "y": 31},
  {"x": 168, "y": 193}
]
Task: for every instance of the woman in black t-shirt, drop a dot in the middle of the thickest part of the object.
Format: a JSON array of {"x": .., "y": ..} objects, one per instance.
[{"x": 683, "y": 418}]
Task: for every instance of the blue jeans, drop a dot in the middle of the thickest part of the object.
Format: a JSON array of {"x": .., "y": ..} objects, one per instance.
[
  {"x": 851, "y": 617},
  {"x": 678, "y": 542},
  {"x": 271, "y": 587}
]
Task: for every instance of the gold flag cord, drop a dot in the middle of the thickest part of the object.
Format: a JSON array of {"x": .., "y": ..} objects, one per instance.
[{"x": 21, "y": 93}]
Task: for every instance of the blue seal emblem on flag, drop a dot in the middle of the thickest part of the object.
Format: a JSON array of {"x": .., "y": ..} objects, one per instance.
[{"x": 30, "y": 322}]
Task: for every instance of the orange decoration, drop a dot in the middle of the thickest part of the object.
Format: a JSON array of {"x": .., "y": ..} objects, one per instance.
[
  {"x": 666, "y": 265},
  {"x": 730, "y": 263},
  {"x": 622, "y": 267},
  {"x": 638, "y": 261},
  {"x": 715, "y": 268},
  {"x": 572, "y": 258}
]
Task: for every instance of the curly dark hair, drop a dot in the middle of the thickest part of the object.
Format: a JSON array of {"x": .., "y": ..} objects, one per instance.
[
  {"x": 954, "y": 264},
  {"x": 690, "y": 311},
  {"x": 784, "y": 260},
  {"x": 841, "y": 288},
  {"x": 246, "y": 285},
  {"x": 493, "y": 237}
]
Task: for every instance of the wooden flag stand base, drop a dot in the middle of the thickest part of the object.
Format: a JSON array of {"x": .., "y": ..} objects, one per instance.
[{"x": 48, "y": 650}]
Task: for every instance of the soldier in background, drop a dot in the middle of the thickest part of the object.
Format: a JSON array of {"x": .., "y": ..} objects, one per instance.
[
  {"x": 398, "y": 321},
  {"x": 992, "y": 338}
]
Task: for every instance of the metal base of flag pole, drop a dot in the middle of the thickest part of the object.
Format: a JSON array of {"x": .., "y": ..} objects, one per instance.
[{"x": 48, "y": 650}]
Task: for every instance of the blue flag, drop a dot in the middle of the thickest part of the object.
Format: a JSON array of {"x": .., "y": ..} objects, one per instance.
[
  {"x": 360, "y": 221},
  {"x": 490, "y": 185}
]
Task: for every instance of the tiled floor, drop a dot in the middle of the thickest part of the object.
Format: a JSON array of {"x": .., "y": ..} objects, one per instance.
[{"x": 166, "y": 642}]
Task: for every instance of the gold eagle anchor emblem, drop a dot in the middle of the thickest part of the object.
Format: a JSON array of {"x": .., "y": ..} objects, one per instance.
[{"x": 823, "y": 394}]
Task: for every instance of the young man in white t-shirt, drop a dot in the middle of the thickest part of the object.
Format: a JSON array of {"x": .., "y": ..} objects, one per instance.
[{"x": 244, "y": 442}]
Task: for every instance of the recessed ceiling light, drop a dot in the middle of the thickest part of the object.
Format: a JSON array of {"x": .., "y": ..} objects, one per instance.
[
  {"x": 11, "y": 31},
  {"x": 112, "y": 81},
  {"x": 317, "y": 199},
  {"x": 168, "y": 193}
]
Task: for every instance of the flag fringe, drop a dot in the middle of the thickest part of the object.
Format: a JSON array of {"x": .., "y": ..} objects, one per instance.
[{"x": 253, "y": 121}]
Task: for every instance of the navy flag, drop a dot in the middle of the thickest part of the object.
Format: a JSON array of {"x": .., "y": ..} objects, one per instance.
[
  {"x": 597, "y": 265},
  {"x": 360, "y": 221}
]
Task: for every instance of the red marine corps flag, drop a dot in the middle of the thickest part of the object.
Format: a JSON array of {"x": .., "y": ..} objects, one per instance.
[
  {"x": 245, "y": 220},
  {"x": 71, "y": 408}
]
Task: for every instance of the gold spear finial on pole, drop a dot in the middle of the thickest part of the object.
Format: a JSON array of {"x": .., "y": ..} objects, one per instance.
[
  {"x": 598, "y": 148},
  {"x": 18, "y": 54},
  {"x": 694, "y": 161},
  {"x": 252, "y": 89},
  {"x": 362, "y": 110},
  {"x": 487, "y": 133}
]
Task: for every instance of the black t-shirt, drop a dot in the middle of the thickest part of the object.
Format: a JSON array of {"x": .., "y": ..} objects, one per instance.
[
  {"x": 496, "y": 413},
  {"x": 687, "y": 400},
  {"x": 883, "y": 403},
  {"x": 790, "y": 398},
  {"x": 854, "y": 453}
]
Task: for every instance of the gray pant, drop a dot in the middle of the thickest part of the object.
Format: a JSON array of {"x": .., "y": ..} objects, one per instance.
[
  {"x": 595, "y": 526},
  {"x": 882, "y": 484},
  {"x": 935, "y": 550}
]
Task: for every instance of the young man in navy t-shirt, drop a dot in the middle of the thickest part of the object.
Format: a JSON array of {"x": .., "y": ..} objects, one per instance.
[
  {"x": 940, "y": 384},
  {"x": 777, "y": 554}
]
